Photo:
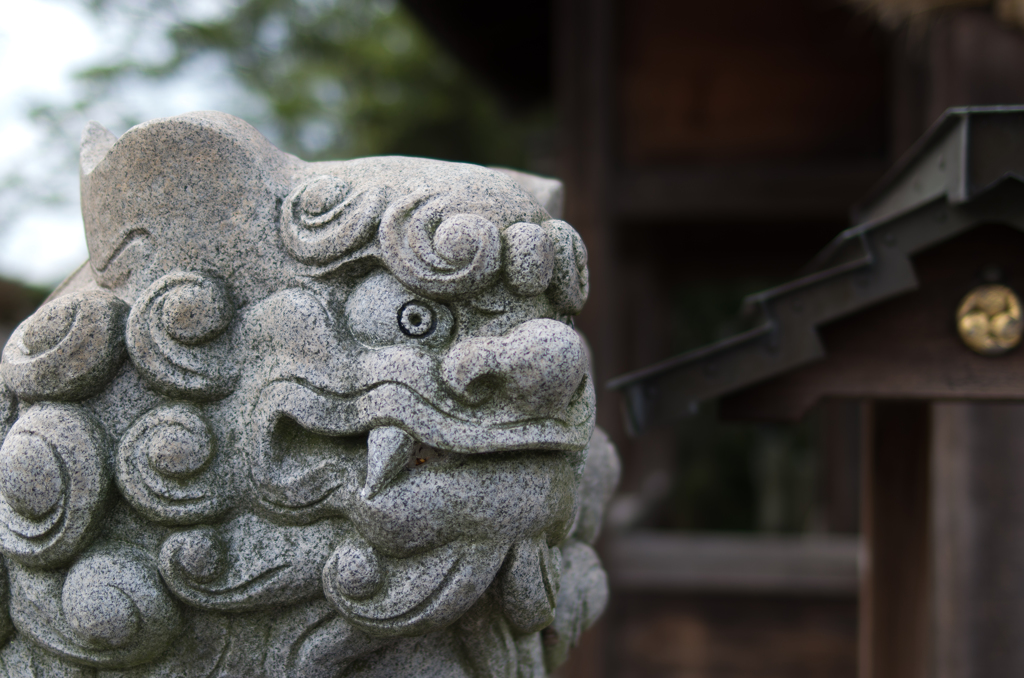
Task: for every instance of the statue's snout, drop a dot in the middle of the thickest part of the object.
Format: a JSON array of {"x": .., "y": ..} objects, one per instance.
[{"x": 536, "y": 368}]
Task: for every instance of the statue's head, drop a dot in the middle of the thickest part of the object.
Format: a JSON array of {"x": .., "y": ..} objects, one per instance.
[{"x": 341, "y": 400}]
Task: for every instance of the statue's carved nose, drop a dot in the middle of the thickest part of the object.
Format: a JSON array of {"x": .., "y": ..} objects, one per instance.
[{"x": 536, "y": 368}]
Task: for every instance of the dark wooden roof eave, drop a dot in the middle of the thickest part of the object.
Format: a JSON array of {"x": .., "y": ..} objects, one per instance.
[{"x": 942, "y": 188}]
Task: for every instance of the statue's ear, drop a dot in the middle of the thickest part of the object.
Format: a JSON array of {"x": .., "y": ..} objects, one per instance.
[
  {"x": 97, "y": 141},
  {"x": 199, "y": 192},
  {"x": 545, "y": 190}
]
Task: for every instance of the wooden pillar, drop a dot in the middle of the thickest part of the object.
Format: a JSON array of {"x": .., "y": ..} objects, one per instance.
[
  {"x": 964, "y": 58},
  {"x": 943, "y": 524},
  {"x": 974, "y": 60},
  {"x": 951, "y": 536},
  {"x": 582, "y": 56},
  {"x": 894, "y": 601},
  {"x": 583, "y": 94},
  {"x": 978, "y": 537},
  {"x": 977, "y": 457}
]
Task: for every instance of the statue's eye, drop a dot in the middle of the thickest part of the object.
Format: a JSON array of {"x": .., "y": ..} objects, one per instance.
[
  {"x": 383, "y": 312},
  {"x": 415, "y": 319}
]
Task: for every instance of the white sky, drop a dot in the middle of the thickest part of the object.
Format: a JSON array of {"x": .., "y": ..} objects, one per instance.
[{"x": 42, "y": 43}]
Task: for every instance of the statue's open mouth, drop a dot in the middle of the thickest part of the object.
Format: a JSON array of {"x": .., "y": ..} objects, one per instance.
[
  {"x": 389, "y": 421},
  {"x": 316, "y": 454}
]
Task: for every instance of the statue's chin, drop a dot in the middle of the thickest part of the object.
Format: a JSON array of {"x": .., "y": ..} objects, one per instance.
[{"x": 417, "y": 594}]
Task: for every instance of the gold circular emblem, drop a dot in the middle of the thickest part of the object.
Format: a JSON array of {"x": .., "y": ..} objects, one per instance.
[{"x": 988, "y": 319}]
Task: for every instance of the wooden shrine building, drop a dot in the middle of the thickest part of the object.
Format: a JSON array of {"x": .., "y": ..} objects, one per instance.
[
  {"x": 914, "y": 312},
  {"x": 709, "y": 149}
]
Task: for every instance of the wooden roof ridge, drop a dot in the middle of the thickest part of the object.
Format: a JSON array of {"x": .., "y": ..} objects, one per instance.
[{"x": 934, "y": 192}]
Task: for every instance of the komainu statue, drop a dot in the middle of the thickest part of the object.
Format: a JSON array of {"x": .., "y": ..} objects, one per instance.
[{"x": 295, "y": 419}]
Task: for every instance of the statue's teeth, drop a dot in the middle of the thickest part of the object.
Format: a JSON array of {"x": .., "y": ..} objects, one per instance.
[{"x": 388, "y": 451}]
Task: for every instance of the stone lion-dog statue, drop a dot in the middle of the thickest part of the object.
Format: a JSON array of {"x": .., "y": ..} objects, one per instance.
[{"x": 300, "y": 419}]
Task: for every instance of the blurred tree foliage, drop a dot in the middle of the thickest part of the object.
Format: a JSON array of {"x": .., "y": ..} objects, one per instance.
[{"x": 332, "y": 78}]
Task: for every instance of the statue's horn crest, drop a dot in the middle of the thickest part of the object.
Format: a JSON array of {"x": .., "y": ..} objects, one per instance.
[{"x": 97, "y": 141}]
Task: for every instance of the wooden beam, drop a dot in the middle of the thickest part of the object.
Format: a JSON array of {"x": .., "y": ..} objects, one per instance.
[
  {"x": 744, "y": 191},
  {"x": 763, "y": 564}
]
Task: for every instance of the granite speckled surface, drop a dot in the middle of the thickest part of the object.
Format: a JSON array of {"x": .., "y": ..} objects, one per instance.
[{"x": 301, "y": 419}]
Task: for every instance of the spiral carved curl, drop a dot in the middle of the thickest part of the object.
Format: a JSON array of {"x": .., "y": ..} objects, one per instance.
[
  {"x": 109, "y": 610},
  {"x": 326, "y": 223},
  {"x": 67, "y": 350},
  {"x": 324, "y": 219},
  {"x": 175, "y": 333},
  {"x": 165, "y": 467},
  {"x": 529, "y": 258},
  {"x": 438, "y": 255},
  {"x": 55, "y": 484},
  {"x": 570, "y": 282}
]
